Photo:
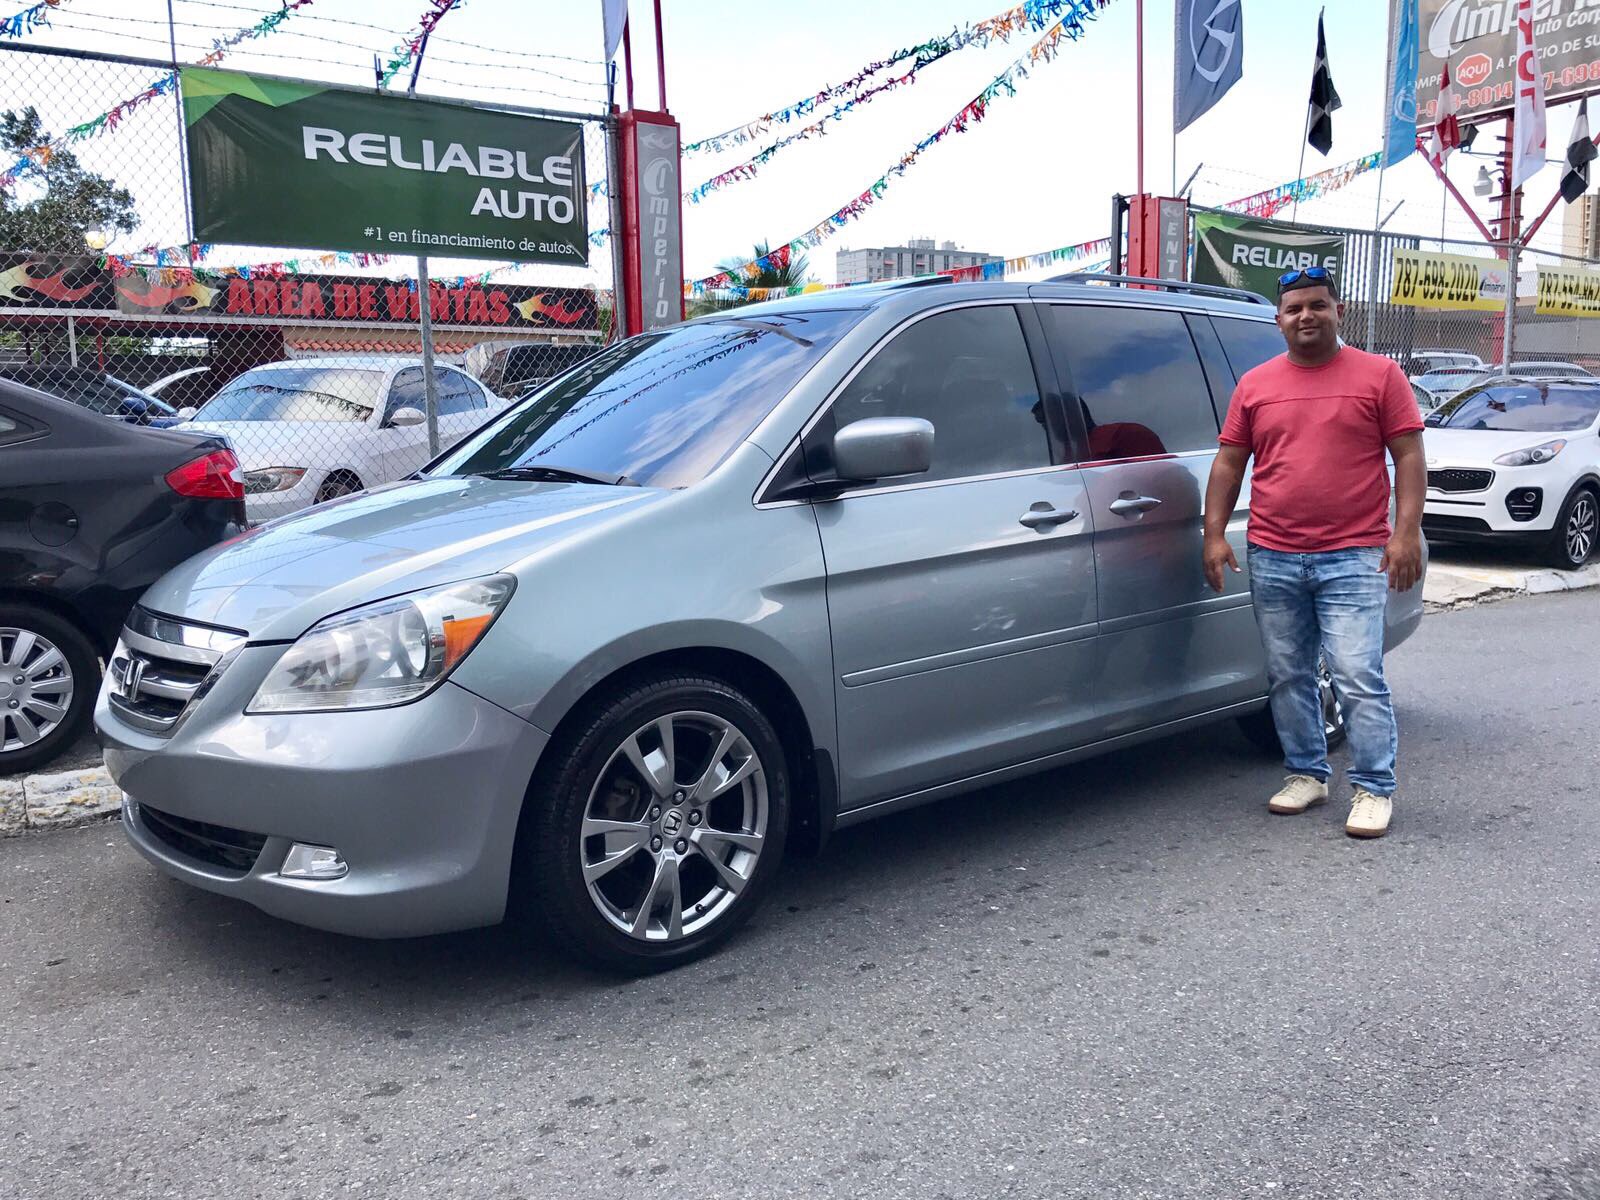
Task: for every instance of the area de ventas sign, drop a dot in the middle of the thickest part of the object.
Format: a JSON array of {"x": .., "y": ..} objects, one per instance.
[{"x": 279, "y": 163}]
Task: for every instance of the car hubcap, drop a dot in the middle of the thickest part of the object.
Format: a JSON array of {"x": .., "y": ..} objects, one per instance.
[
  {"x": 674, "y": 826},
  {"x": 1332, "y": 710},
  {"x": 1581, "y": 529},
  {"x": 35, "y": 688}
]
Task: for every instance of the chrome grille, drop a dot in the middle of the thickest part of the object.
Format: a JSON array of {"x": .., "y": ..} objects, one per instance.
[
  {"x": 161, "y": 666},
  {"x": 1460, "y": 479}
]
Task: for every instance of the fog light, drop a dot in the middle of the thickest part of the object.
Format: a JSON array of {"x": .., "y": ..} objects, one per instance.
[{"x": 313, "y": 862}]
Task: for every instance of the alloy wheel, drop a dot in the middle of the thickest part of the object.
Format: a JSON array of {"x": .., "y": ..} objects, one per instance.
[
  {"x": 674, "y": 826},
  {"x": 1581, "y": 528},
  {"x": 36, "y": 687},
  {"x": 1332, "y": 709}
]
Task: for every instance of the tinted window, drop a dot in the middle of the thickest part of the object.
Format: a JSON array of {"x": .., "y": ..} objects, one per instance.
[
  {"x": 297, "y": 394},
  {"x": 458, "y": 394},
  {"x": 454, "y": 391},
  {"x": 1247, "y": 344},
  {"x": 967, "y": 372},
  {"x": 1138, "y": 380},
  {"x": 661, "y": 408},
  {"x": 1533, "y": 408}
]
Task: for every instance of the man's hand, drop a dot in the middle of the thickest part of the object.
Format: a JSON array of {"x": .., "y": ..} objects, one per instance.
[
  {"x": 1402, "y": 559},
  {"x": 1218, "y": 554}
]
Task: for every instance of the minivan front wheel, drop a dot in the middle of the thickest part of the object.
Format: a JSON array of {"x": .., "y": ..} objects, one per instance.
[
  {"x": 1260, "y": 730},
  {"x": 663, "y": 828}
]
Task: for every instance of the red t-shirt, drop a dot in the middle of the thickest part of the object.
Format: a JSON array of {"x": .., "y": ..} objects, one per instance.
[{"x": 1318, "y": 436}]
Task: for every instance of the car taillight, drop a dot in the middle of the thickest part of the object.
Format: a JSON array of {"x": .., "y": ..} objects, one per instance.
[{"x": 214, "y": 477}]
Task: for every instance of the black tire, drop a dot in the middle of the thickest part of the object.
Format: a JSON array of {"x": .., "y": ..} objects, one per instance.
[
  {"x": 1577, "y": 530},
  {"x": 338, "y": 483},
  {"x": 1262, "y": 733},
  {"x": 549, "y": 889},
  {"x": 81, "y": 665}
]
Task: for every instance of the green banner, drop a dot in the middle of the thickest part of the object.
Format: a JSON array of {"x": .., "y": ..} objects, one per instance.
[
  {"x": 1243, "y": 252},
  {"x": 278, "y": 163}
]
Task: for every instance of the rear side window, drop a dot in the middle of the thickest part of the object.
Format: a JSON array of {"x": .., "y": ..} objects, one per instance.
[
  {"x": 14, "y": 429},
  {"x": 968, "y": 372},
  {"x": 1137, "y": 380}
]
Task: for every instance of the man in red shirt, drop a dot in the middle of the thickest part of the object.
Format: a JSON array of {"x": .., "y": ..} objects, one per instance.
[{"x": 1318, "y": 420}]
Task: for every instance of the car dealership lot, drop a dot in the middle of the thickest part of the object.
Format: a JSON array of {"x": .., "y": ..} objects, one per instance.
[{"x": 1119, "y": 979}]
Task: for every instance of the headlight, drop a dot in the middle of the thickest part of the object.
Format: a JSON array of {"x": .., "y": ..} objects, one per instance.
[
  {"x": 1532, "y": 456},
  {"x": 384, "y": 654},
  {"x": 272, "y": 479}
]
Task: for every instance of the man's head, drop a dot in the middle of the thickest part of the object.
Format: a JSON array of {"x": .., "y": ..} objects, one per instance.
[{"x": 1309, "y": 312}]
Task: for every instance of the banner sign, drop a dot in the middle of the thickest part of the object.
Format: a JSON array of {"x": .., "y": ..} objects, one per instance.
[
  {"x": 33, "y": 283},
  {"x": 1568, "y": 292},
  {"x": 653, "y": 259},
  {"x": 1426, "y": 280},
  {"x": 1479, "y": 40},
  {"x": 278, "y": 163},
  {"x": 1242, "y": 252}
]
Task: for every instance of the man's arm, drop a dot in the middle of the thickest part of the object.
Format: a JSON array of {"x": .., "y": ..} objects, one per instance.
[
  {"x": 1222, "y": 493},
  {"x": 1402, "y": 557}
]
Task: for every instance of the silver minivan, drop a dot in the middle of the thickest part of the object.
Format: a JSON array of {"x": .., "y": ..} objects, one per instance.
[{"x": 706, "y": 597}]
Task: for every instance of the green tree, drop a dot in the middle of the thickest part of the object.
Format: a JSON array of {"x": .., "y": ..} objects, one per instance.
[
  {"x": 72, "y": 201},
  {"x": 792, "y": 275}
]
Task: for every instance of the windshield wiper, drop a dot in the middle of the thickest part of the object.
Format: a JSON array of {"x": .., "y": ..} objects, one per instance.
[{"x": 560, "y": 475}]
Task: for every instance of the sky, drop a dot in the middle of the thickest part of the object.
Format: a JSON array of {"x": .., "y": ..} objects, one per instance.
[{"x": 1038, "y": 173}]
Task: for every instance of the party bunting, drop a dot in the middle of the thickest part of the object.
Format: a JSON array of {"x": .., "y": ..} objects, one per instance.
[
  {"x": 1275, "y": 200},
  {"x": 1029, "y": 17},
  {"x": 39, "y": 156},
  {"x": 29, "y": 19},
  {"x": 974, "y": 111},
  {"x": 408, "y": 49}
]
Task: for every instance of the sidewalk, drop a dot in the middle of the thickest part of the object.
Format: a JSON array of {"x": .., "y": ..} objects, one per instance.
[{"x": 1459, "y": 576}]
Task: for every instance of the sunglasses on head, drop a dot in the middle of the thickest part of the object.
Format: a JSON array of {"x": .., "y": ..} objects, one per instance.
[{"x": 1315, "y": 274}]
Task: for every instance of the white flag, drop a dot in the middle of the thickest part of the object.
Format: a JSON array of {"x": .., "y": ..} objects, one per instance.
[
  {"x": 615, "y": 15},
  {"x": 1528, "y": 151}
]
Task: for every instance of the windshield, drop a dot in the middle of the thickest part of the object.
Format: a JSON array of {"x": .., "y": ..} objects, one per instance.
[
  {"x": 297, "y": 394},
  {"x": 1448, "y": 381},
  {"x": 1525, "y": 407},
  {"x": 661, "y": 409}
]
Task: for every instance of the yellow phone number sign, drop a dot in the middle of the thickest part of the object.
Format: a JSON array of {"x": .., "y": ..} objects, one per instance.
[{"x": 1425, "y": 280}]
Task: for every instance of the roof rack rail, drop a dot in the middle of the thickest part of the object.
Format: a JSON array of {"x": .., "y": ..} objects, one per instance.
[
  {"x": 887, "y": 285},
  {"x": 1169, "y": 285}
]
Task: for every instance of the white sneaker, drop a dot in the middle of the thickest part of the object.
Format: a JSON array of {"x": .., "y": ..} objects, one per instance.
[
  {"x": 1298, "y": 793},
  {"x": 1369, "y": 815}
]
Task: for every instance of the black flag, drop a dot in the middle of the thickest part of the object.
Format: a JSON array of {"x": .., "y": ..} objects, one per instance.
[
  {"x": 1324, "y": 98},
  {"x": 1580, "y": 153}
]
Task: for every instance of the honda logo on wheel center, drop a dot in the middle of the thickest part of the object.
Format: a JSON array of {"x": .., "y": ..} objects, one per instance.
[{"x": 672, "y": 821}]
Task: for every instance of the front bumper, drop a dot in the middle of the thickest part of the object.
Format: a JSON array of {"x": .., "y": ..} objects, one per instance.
[
  {"x": 421, "y": 801},
  {"x": 1464, "y": 516}
]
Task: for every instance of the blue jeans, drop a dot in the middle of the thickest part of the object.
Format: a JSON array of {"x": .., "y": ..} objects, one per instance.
[{"x": 1333, "y": 603}]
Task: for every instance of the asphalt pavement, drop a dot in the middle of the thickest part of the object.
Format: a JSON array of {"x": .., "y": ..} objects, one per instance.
[{"x": 1122, "y": 979}]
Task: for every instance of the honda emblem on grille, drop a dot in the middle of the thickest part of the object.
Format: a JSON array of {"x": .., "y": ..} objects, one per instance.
[{"x": 132, "y": 678}]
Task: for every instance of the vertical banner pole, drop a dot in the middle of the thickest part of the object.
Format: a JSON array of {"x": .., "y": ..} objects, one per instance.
[
  {"x": 183, "y": 150},
  {"x": 72, "y": 338},
  {"x": 429, "y": 388},
  {"x": 1138, "y": 71}
]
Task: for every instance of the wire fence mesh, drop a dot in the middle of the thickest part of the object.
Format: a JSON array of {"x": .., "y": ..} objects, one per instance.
[{"x": 309, "y": 361}]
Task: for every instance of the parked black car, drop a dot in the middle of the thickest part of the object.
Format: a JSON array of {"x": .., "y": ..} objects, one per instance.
[
  {"x": 95, "y": 390},
  {"x": 91, "y": 513}
]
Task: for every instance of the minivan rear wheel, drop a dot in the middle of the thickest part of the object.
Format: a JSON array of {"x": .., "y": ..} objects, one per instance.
[
  {"x": 1260, "y": 730},
  {"x": 659, "y": 827}
]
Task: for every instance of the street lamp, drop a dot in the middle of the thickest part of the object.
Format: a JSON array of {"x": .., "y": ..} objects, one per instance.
[{"x": 1485, "y": 184}]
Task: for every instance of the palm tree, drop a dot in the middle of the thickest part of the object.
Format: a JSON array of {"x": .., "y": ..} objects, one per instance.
[{"x": 792, "y": 275}]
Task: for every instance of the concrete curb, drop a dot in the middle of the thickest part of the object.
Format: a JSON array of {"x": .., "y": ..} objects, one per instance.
[
  {"x": 1451, "y": 585},
  {"x": 61, "y": 800}
]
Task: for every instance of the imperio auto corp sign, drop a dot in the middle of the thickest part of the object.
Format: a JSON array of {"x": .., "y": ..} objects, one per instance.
[
  {"x": 1478, "y": 38},
  {"x": 653, "y": 248},
  {"x": 274, "y": 162}
]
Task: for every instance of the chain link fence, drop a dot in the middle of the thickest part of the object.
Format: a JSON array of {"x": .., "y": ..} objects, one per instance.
[
  {"x": 311, "y": 362},
  {"x": 1438, "y": 347}
]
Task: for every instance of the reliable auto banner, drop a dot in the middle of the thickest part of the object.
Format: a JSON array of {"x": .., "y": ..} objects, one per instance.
[
  {"x": 1568, "y": 292},
  {"x": 279, "y": 163},
  {"x": 82, "y": 287},
  {"x": 1424, "y": 280},
  {"x": 1478, "y": 38},
  {"x": 1242, "y": 252}
]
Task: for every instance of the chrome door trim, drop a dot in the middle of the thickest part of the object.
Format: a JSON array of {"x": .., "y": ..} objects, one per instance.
[
  {"x": 971, "y": 654},
  {"x": 1195, "y": 608}
]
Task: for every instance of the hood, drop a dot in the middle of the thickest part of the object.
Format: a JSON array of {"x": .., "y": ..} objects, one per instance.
[
  {"x": 279, "y": 579},
  {"x": 1479, "y": 447},
  {"x": 288, "y": 443}
]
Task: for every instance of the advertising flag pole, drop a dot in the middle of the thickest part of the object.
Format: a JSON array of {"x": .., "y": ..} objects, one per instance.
[
  {"x": 1374, "y": 265},
  {"x": 183, "y": 157},
  {"x": 430, "y": 385},
  {"x": 1138, "y": 71}
]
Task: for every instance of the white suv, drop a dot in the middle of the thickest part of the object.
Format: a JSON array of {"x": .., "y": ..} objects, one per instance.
[{"x": 1517, "y": 459}]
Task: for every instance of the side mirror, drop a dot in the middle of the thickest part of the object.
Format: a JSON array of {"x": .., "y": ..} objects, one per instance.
[
  {"x": 188, "y": 411},
  {"x": 400, "y": 418},
  {"x": 883, "y": 448}
]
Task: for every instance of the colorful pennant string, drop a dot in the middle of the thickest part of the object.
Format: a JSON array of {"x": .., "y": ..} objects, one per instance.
[
  {"x": 39, "y": 156},
  {"x": 28, "y": 20},
  {"x": 1029, "y": 17},
  {"x": 974, "y": 111},
  {"x": 1275, "y": 200},
  {"x": 407, "y": 50}
]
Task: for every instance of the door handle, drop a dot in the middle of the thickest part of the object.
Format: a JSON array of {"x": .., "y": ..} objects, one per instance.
[
  {"x": 1128, "y": 505},
  {"x": 1044, "y": 516}
]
